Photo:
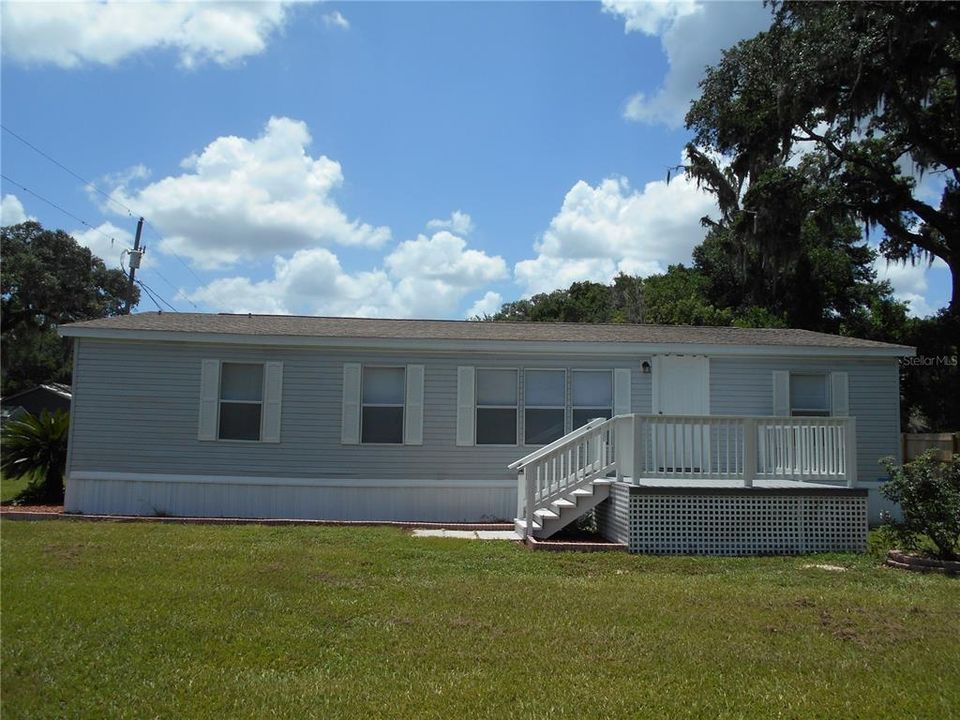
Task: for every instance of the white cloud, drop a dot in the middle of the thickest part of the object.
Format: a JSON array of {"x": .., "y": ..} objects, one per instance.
[
  {"x": 692, "y": 33},
  {"x": 610, "y": 228},
  {"x": 12, "y": 212},
  {"x": 426, "y": 277},
  {"x": 336, "y": 19},
  {"x": 910, "y": 283},
  {"x": 652, "y": 17},
  {"x": 459, "y": 222},
  {"x": 107, "y": 242},
  {"x": 72, "y": 34},
  {"x": 240, "y": 199},
  {"x": 445, "y": 257},
  {"x": 487, "y": 305}
]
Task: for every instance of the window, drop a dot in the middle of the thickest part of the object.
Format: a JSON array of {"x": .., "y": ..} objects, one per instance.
[
  {"x": 809, "y": 395},
  {"x": 592, "y": 396},
  {"x": 496, "y": 407},
  {"x": 241, "y": 400},
  {"x": 544, "y": 405},
  {"x": 382, "y": 405}
]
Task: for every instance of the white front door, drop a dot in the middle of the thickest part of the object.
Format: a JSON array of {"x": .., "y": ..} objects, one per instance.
[{"x": 681, "y": 386}]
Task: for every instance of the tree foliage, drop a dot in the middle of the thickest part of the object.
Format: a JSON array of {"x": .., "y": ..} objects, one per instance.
[
  {"x": 928, "y": 492},
  {"x": 47, "y": 279},
  {"x": 676, "y": 297},
  {"x": 36, "y": 448},
  {"x": 869, "y": 89}
]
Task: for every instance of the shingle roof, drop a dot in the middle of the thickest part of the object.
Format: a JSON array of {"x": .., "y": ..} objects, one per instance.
[{"x": 467, "y": 330}]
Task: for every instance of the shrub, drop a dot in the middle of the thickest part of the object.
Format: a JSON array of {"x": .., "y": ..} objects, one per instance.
[
  {"x": 928, "y": 492},
  {"x": 36, "y": 448}
]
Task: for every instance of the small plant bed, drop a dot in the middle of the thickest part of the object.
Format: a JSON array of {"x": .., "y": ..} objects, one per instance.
[
  {"x": 577, "y": 538},
  {"x": 927, "y": 538},
  {"x": 919, "y": 563}
]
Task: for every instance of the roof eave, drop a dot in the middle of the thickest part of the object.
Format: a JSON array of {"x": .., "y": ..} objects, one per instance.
[{"x": 584, "y": 347}]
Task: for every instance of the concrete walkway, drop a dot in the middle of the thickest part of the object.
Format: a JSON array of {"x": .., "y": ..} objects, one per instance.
[{"x": 468, "y": 534}]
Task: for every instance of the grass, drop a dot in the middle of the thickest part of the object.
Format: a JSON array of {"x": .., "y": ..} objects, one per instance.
[
  {"x": 11, "y": 487},
  {"x": 134, "y": 620}
]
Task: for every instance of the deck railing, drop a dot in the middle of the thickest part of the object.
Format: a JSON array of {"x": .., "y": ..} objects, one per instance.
[
  {"x": 743, "y": 448},
  {"x": 707, "y": 447}
]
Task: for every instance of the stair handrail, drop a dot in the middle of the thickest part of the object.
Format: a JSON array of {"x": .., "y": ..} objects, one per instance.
[{"x": 565, "y": 440}]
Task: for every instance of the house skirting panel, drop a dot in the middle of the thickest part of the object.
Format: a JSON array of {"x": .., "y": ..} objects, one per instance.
[
  {"x": 735, "y": 521},
  {"x": 110, "y": 493}
]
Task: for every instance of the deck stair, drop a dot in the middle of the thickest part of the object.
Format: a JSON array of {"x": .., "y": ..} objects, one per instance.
[
  {"x": 548, "y": 521},
  {"x": 564, "y": 480}
]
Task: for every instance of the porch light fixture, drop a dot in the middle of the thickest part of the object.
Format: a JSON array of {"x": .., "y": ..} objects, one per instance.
[{"x": 645, "y": 368}]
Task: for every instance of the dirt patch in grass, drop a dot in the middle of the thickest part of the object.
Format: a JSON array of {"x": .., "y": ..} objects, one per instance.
[
  {"x": 866, "y": 628},
  {"x": 66, "y": 554},
  {"x": 338, "y": 581}
]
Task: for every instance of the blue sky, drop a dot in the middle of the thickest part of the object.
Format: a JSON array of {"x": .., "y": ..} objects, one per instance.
[{"x": 390, "y": 159}]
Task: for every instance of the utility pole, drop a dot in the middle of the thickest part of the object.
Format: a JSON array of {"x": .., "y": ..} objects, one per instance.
[{"x": 134, "y": 263}]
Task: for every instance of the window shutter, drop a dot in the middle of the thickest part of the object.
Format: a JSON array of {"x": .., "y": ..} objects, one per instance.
[
  {"x": 466, "y": 415},
  {"x": 350, "y": 420},
  {"x": 621, "y": 392},
  {"x": 413, "y": 412},
  {"x": 839, "y": 395},
  {"x": 272, "y": 396},
  {"x": 209, "y": 399},
  {"x": 781, "y": 393}
]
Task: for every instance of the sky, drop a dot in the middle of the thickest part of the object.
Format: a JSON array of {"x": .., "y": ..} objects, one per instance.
[{"x": 379, "y": 159}]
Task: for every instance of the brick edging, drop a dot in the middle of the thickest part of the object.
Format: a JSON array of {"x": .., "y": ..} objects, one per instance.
[
  {"x": 915, "y": 563},
  {"x": 26, "y": 515},
  {"x": 574, "y": 546}
]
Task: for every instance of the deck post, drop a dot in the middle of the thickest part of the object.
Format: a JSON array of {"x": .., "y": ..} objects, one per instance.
[
  {"x": 521, "y": 494},
  {"x": 850, "y": 451},
  {"x": 636, "y": 448},
  {"x": 529, "y": 500},
  {"x": 749, "y": 451}
]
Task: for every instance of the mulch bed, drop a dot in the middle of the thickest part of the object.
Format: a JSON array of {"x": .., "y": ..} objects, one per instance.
[
  {"x": 6, "y": 508},
  {"x": 572, "y": 539},
  {"x": 916, "y": 563}
]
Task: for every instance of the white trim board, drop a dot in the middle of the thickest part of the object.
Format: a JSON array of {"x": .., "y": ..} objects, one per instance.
[
  {"x": 393, "y": 483},
  {"x": 594, "y": 349}
]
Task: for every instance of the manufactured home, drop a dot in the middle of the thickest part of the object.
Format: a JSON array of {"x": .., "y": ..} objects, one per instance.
[{"x": 683, "y": 439}]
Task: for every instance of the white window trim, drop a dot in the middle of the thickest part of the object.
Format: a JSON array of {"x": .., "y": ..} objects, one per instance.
[
  {"x": 573, "y": 407},
  {"x": 810, "y": 412},
  {"x": 402, "y": 405},
  {"x": 260, "y": 402},
  {"x": 567, "y": 399},
  {"x": 477, "y": 407}
]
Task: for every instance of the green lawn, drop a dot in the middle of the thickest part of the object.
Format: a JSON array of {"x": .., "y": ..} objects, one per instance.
[
  {"x": 10, "y": 488},
  {"x": 146, "y": 620}
]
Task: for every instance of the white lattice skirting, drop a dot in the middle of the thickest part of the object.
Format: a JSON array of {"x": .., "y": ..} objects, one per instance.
[{"x": 743, "y": 523}]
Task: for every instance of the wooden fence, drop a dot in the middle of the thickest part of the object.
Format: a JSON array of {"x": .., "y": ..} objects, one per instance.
[{"x": 915, "y": 444}]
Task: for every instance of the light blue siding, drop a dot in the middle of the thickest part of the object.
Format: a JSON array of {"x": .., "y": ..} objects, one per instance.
[{"x": 136, "y": 410}]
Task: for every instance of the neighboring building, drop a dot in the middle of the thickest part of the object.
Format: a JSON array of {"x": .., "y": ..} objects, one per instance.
[
  {"x": 50, "y": 397},
  {"x": 361, "y": 419}
]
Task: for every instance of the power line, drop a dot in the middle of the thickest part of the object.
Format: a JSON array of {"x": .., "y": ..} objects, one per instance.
[
  {"x": 173, "y": 252},
  {"x": 108, "y": 196},
  {"x": 54, "y": 205},
  {"x": 68, "y": 170},
  {"x": 150, "y": 295},
  {"x": 171, "y": 286},
  {"x": 154, "y": 295}
]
